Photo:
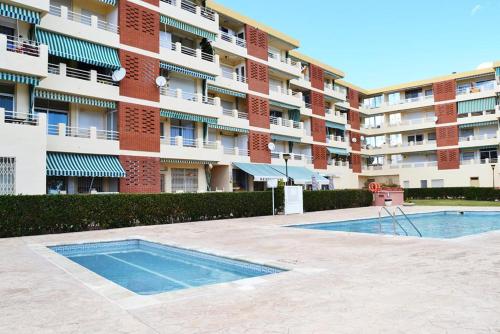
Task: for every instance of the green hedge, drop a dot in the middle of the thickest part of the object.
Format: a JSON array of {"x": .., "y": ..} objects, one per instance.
[
  {"x": 468, "y": 193},
  {"x": 33, "y": 215}
]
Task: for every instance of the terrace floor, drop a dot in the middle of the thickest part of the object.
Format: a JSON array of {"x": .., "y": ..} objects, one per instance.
[{"x": 338, "y": 283}]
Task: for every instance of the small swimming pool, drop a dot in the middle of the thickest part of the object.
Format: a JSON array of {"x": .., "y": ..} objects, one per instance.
[
  {"x": 148, "y": 268},
  {"x": 443, "y": 224}
]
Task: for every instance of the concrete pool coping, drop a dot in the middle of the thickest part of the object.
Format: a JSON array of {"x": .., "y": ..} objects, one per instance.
[{"x": 338, "y": 281}]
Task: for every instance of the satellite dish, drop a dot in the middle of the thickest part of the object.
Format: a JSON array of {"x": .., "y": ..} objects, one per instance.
[
  {"x": 119, "y": 74},
  {"x": 271, "y": 146},
  {"x": 161, "y": 81},
  {"x": 354, "y": 140}
]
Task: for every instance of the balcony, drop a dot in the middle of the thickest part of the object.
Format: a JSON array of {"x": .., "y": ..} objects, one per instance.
[
  {"x": 390, "y": 169},
  {"x": 231, "y": 80},
  {"x": 335, "y": 92},
  {"x": 479, "y": 140},
  {"x": 286, "y": 127},
  {"x": 295, "y": 159},
  {"x": 63, "y": 138},
  {"x": 286, "y": 96},
  {"x": 336, "y": 116},
  {"x": 469, "y": 162},
  {"x": 190, "y": 13},
  {"x": 402, "y": 104},
  {"x": 80, "y": 82},
  {"x": 286, "y": 65},
  {"x": 86, "y": 27},
  {"x": 482, "y": 90},
  {"x": 404, "y": 125},
  {"x": 23, "y": 56},
  {"x": 194, "y": 59},
  {"x": 236, "y": 154},
  {"x": 338, "y": 141},
  {"x": 193, "y": 103},
  {"x": 302, "y": 81},
  {"x": 234, "y": 118},
  {"x": 407, "y": 147},
  {"x": 191, "y": 149},
  {"x": 231, "y": 43}
]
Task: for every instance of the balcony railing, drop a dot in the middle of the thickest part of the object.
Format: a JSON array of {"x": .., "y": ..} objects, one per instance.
[
  {"x": 232, "y": 39},
  {"x": 195, "y": 53},
  {"x": 88, "y": 20},
  {"x": 190, "y": 142},
  {"x": 232, "y": 75},
  {"x": 15, "y": 117},
  {"x": 483, "y": 87},
  {"x": 338, "y": 139},
  {"x": 76, "y": 132},
  {"x": 23, "y": 46},
  {"x": 234, "y": 113},
  {"x": 336, "y": 113},
  {"x": 236, "y": 151},
  {"x": 338, "y": 163},
  {"x": 76, "y": 73},
  {"x": 478, "y": 161},
  {"x": 193, "y": 97},
  {"x": 400, "y": 165},
  {"x": 417, "y": 121},
  {"x": 285, "y": 122},
  {"x": 396, "y": 145},
  {"x": 192, "y": 8},
  {"x": 485, "y": 136},
  {"x": 419, "y": 98}
]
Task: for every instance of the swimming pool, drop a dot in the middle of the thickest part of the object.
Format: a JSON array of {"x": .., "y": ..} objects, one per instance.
[
  {"x": 442, "y": 224},
  {"x": 148, "y": 268}
]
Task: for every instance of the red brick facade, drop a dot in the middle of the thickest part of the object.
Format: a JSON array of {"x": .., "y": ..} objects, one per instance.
[
  {"x": 356, "y": 162},
  {"x": 258, "y": 111},
  {"x": 139, "y": 127},
  {"x": 318, "y": 103},
  {"x": 257, "y": 42},
  {"x": 320, "y": 157},
  {"x": 446, "y": 113},
  {"x": 353, "y": 96},
  {"x": 354, "y": 120},
  {"x": 143, "y": 174},
  {"x": 448, "y": 159},
  {"x": 139, "y": 26},
  {"x": 318, "y": 129},
  {"x": 317, "y": 77},
  {"x": 139, "y": 81},
  {"x": 258, "y": 77},
  {"x": 447, "y": 135},
  {"x": 445, "y": 90},
  {"x": 355, "y": 140},
  {"x": 257, "y": 146}
]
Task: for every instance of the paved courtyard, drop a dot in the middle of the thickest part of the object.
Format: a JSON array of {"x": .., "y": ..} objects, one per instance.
[{"x": 337, "y": 283}]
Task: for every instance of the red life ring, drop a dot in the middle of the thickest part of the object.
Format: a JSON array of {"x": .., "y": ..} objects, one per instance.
[{"x": 374, "y": 187}]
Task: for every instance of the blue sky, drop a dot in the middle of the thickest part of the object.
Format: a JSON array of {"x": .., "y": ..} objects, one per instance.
[{"x": 379, "y": 43}]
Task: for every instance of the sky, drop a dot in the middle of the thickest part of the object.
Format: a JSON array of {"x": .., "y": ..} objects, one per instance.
[{"x": 378, "y": 43}]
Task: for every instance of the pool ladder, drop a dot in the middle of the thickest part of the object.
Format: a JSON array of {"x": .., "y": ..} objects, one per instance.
[{"x": 395, "y": 221}]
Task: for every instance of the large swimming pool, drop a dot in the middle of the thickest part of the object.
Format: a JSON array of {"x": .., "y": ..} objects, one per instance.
[
  {"x": 148, "y": 268},
  {"x": 443, "y": 224}
]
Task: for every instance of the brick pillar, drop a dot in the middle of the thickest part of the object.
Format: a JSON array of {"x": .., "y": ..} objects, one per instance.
[
  {"x": 257, "y": 42},
  {"x": 318, "y": 129},
  {"x": 320, "y": 157},
  {"x": 356, "y": 162},
  {"x": 258, "y": 77},
  {"x": 448, "y": 159},
  {"x": 317, "y": 77},
  {"x": 318, "y": 103},
  {"x": 257, "y": 146},
  {"x": 446, "y": 113}
]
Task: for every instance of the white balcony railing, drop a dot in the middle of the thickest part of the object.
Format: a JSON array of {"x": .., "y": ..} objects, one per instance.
[
  {"x": 23, "y": 46},
  {"x": 232, "y": 75},
  {"x": 286, "y": 122},
  {"x": 88, "y": 20},
  {"x": 483, "y": 87},
  {"x": 337, "y": 139},
  {"x": 232, "y": 39},
  {"x": 293, "y": 156},
  {"x": 400, "y": 165},
  {"x": 92, "y": 75},
  {"x": 417, "y": 121},
  {"x": 478, "y": 161},
  {"x": 195, "y": 53},
  {"x": 338, "y": 163},
  {"x": 236, "y": 151},
  {"x": 63, "y": 130},
  {"x": 16, "y": 117},
  {"x": 192, "y": 8},
  {"x": 234, "y": 113},
  {"x": 335, "y": 113},
  {"x": 190, "y": 142},
  {"x": 419, "y": 98},
  {"x": 399, "y": 145},
  {"x": 485, "y": 136},
  {"x": 193, "y": 97}
]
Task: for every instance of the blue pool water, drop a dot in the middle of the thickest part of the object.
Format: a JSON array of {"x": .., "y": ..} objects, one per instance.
[
  {"x": 149, "y": 268},
  {"x": 444, "y": 224}
]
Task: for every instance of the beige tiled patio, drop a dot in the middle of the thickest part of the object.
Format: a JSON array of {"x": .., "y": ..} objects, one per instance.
[{"x": 338, "y": 282}]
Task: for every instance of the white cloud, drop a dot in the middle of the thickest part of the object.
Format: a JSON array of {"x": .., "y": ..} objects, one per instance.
[{"x": 475, "y": 9}]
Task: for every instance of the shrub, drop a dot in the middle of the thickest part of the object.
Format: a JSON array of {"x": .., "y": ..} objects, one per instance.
[
  {"x": 43, "y": 214},
  {"x": 468, "y": 193}
]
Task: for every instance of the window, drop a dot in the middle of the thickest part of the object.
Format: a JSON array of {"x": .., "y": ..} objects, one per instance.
[
  {"x": 393, "y": 98},
  {"x": 373, "y": 102},
  {"x": 374, "y": 121},
  {"x": 184, "y": 180},
  {"x": 423, "y": 183},
  {"x": 56, "y": 185},
  {"x": 7, "y": 101},
  {"x": 184, "y": 129},
  {"x": 406, "y": 184},
  {"x": 416, "y": 138},
  {"x": 431, "y": 136},
  {"x": 376, "y": 160},
  {"x": 412, "y": 94},
  {"x": 429, "y": 92},
  {"x": 88, "y": 184},
  {"x": 489, "y": 153},
  {"x": 437, "y": 183},
  {"x": 394, "y": 118},
  {"x": 162, "y": 183},
  {"x": 54, "y": 118},
  {"x": 7, "y": 176},
  {"x": 474, "y": 181},
  {"x": 276, "y": 113},
  {"x": 468, "y": 156},
  {"x": 396, "y": 139}
]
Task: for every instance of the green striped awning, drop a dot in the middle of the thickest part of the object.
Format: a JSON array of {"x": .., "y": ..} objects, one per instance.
[
  {"x": 49, "y": 95},
  {"x": 79, "y": 50},
  {"x": 19, "y": 78},
  {"x": 281, "y": 104},
  {"x": 187, "y": 27},
  {"x": 336, "y": 150},
  {"x": 478, "y": 124},
  {"x": 227, "y": 128},
  {"x": 187, "y": 117},
  {"x": 85, "y": 165},
  {"x": 260, "y": 172},
  {"x": 226, "y": 91},
  {"x": 187, "y": 161},
  {"x": 187, "y": 71},
  {"x": 109, "y": 2},
  {"x": 285, "y": 138},
  {"x": 300, "y": 175},
  {"x": 334, "y": 125},
  {"x": 476, "y": 105},
  {"x": 19, "y": 13}
]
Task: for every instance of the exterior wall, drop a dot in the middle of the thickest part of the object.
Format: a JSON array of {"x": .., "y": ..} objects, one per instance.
[
  {"x": 257, "y": 145},
  {"x": 317, "y": 77},
  {"x": 353, "y": 96},
  {"x": 139, "y": 127},
  {"x": 143, "y": 174},
  {"x": 318, "y": 103},
  {"x": 258, "y": 77},
  {"x": 258, "y": 111},
  {"x": 257, "y": 42},
  {"x": 139, "y": 81},
  {"x": 354, "y": 120},
  {"x": 139, "y": 26},
  {"x": 447, "y": 135},
  {"x": 319, "y": 157},
  {"x": 318, "y": 129},
  {"x": 448, "y": 159},
  {"x": 356, "y": 162},
  {"x": 446, "y": 113},
  {"x": 445, "y": 90}
]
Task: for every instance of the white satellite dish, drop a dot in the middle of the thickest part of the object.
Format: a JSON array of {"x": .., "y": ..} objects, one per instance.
[
  {"x": 271, "y": 146},
  {"x": 354, "y": 140},
  {"x": 119, "y": 74},
  {"x": 161, "y": 81}
]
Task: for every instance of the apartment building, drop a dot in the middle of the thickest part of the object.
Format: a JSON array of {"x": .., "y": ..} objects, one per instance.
[{"x": 131, "y": 96}]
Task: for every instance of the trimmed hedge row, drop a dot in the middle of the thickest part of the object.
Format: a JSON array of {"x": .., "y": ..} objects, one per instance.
[
  {"x": 468, "y": 193},
  {"x": 33, "y": 215}
]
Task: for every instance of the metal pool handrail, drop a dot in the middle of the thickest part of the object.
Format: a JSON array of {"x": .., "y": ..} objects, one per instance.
[
  {"x": 407, "y": 218},
  {"x": 394, "y": 221}
]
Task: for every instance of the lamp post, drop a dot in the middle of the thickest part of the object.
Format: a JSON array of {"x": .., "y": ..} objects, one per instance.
[
  {"x": 493, "y": 172},
  {"x": 286, "y": 156}
]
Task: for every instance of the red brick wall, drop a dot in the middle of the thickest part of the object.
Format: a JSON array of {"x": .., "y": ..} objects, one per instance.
[
  {"x": 318, "y": 103},
  {"x": 354, "y": 120},
  {"x": 257, "y": 146},
  {"x": 139, "y": 127},
  {"x": 318, "y": 129},
  {"x": 445, "y": 90},
  {"x": 447, "y": 135},
  {"x": 139, "y": 26},
  {"x": 143, "y": 174},
  {"x": 353, "y": 96},
  {"x": 139, "y": 81},
  {"x": 356, "y": 162},
  {"x": 320, "y": 157},
  {"x": 258, "y": 77},
  {"x": 446, "y": 113},
  {"x": 317, "y": 77},
  {"x": 258, "y": 111},
  {"x": 257, "y": 42},
  {"x": 448, "y": 159},
  {"x": 153, "y": 2},
  {"x": 356, "y": 146}
]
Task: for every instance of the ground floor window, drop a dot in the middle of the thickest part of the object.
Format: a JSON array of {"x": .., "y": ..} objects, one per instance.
[
  {"x": 162, "y": 183},
  {"x": 240, "y": 180},
  {"x": 7, "y": 176},
  {"x": 184, "y": 180},
  {"x": 89, "y": 184}
]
